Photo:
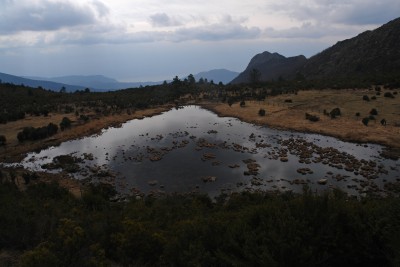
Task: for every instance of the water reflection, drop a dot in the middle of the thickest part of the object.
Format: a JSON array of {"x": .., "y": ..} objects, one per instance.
[{"x": 192, "y": 149}]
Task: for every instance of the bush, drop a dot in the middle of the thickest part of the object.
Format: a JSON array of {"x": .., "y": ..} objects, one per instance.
[
  {"x": 231, "y": 101},
  {"x": 31, "y": 133},
  {"x": 312, "y": 118},
  {"x": 65, "y": 124},
  {"x": 365, "y": 98},
  {"x": 389, "y": 95},
  {"x": 242, "y": 103},
  {"x": 261, "y": 112},
  {"x": 365, "y": 121},
  {"x": 373, "y": 112},
  {"x": 335, "y": 112},
  {"x": 358, "y": 114}
]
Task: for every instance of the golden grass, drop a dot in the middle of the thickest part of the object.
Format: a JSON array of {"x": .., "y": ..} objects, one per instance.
[{"x": 347, "y": 127}]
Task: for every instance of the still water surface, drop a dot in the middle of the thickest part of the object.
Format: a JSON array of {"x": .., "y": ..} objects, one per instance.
[{"x": 192, "y": 149}]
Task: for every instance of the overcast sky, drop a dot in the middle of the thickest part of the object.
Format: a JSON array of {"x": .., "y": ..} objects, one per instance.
[{"x": 151, "y": 40}]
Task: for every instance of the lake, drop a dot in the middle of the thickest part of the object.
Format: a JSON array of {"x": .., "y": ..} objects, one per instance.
[{"x": 193, "y": 150}]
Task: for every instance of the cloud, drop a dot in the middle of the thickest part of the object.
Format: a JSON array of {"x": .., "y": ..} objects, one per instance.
[
  {"x": 48, "y": 15},
  {"x": 217, "y": 32},
  {"x": 223, "y": 28},
  {"x": 163, "y": 20},
  {"x": 309, "y": 30},
  {"x": 352, "y": 12}
]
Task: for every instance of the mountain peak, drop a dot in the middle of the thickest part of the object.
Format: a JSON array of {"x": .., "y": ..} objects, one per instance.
[{"x": 271, "y": 66}]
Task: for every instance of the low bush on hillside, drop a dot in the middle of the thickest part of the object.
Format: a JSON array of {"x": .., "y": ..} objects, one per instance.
[{"x": 311, "y": 117}]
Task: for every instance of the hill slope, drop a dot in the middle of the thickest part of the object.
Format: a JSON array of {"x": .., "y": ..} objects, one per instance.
[
  {"x": 271, "y": 66},
  {"x": 371, "y": 54}
]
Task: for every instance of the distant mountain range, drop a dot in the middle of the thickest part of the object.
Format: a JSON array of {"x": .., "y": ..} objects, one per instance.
[
  {"x": 102, "y": 83},
  {"x": 95, "y": 82},
  {"x": 217, "y": 75},
  {"x": 49, "y": 85},
  {"x": 372, "y": 55}
]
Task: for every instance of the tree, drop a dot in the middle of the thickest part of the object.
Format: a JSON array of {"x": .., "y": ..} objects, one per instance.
[
  {"x": 255, "y": 76},
  {"x": 63, "y": 90},
  {"x": 176, "y": 81},
  {"x": 52, "y": 129},
  {"x": 65, "y": 123},
  {"x": 191, "y": 79}
]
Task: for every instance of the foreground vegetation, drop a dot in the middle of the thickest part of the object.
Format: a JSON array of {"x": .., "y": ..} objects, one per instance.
[{"x": 46, "y": 226}]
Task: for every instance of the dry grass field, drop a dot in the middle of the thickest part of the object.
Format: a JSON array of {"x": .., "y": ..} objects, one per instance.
[
  {"x": 14, "y": 151},
  {"x": 291, "y": 115}
]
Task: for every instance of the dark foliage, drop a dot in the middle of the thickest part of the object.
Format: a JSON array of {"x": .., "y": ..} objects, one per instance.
[
  {"x": 373, "y": 112},
  {"x": 365, "y": 98},
  {"x": 32, "y": 134},
  {"x": 65, "y": 124},
  {"x": 388, "y": 95},
  {"x": 365, "y": 121},
  {"x": 3, "y": 140},
  {"x": 246, "y": 229},
  {"x": 261, "y": 112},
  {"x": 312, "y": 118},
  {"x": 335, "y": 112}
]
